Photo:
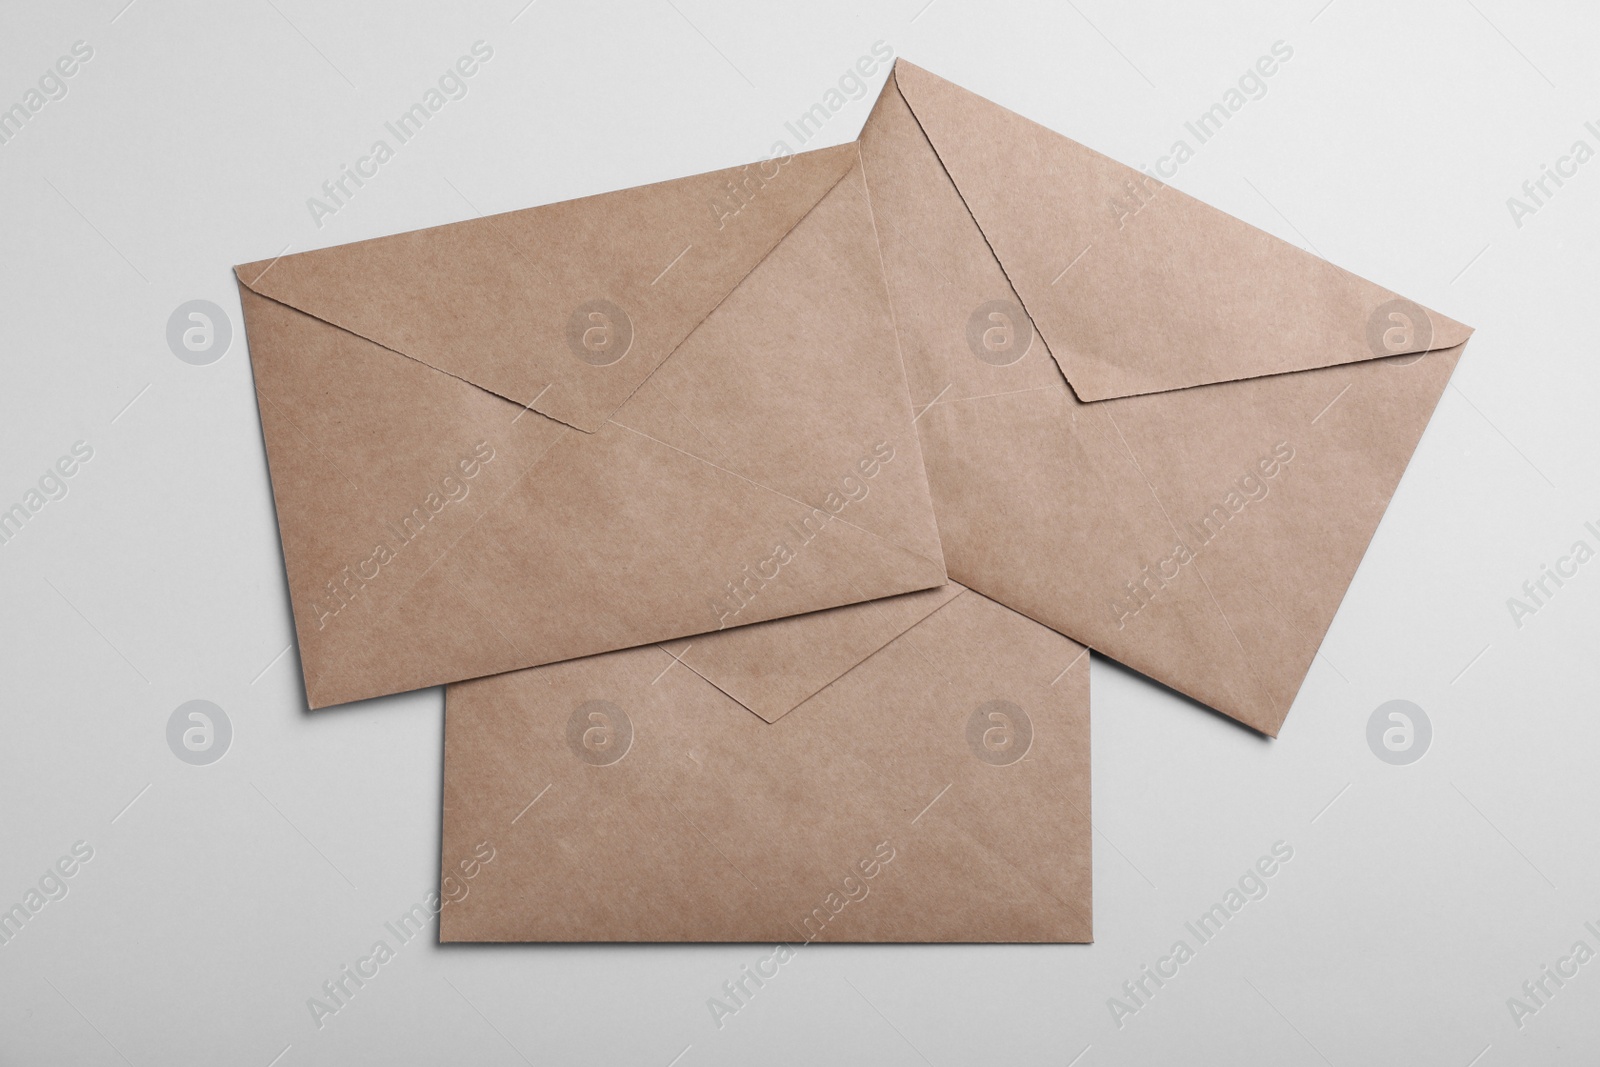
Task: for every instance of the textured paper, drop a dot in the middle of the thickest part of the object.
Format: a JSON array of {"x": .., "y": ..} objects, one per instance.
[
  {"x": 587, "y": 426},
  {"x": 936, "y": 790},
  {"x": 1146, "y": 424}
]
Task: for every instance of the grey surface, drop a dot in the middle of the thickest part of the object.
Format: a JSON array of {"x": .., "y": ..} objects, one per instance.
[{"x": 220, "y": 897}]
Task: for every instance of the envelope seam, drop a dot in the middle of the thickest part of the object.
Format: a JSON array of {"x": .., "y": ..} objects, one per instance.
[
  {"x": 701, "y": 321},
  {"x": 421, "y": 362},
  {"x": 696, "y": 672},
  {"x": 894, "y": 327},
  {"x": 907, "y": 632},
  {"x": 1004, "y": 273},
  {"x": 894, "y": 636}
]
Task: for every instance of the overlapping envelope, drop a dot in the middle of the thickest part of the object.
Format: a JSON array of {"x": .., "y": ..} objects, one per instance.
[
  {"x": 587, "y": 426},
  {"x": 917, "y": 769},
  {"x": 732, "y": 406},
  {"x": 1147, "y": 425}
]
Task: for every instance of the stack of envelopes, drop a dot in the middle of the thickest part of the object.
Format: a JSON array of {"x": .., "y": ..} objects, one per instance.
[{"x": 760, "y": 521}]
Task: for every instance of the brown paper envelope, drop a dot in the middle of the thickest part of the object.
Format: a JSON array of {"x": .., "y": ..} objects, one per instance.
[
  {"x": 1146, "y": 424},
  {"x": 936, "y": 788},
  {"x": 587, "y": 426}
]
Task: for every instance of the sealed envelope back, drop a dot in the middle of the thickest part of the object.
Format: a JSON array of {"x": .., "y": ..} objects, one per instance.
[
  {"x": 938, "y": 790},
  {"x": 1146, "y": 424},
  {"x": 588, "y": 426}
]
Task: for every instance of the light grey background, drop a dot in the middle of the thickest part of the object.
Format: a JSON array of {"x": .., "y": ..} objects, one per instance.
[{"x": 219, "y": 898}]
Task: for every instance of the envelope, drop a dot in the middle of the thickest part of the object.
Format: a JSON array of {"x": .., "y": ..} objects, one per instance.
[
  {"x": 587, "y": 426},
  {"x": 916, "y": 769},
  {"x": 1146, "y": 424}
]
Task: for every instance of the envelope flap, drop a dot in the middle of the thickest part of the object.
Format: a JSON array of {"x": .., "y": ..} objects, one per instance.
[
  {"x": 775, "y": 667},
  {"x": 565, "y": 308},
  {"x": 1138, "y": 288}
]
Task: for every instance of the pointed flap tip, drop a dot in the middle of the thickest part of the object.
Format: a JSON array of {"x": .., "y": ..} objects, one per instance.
[{"x": 773, "y": 668}]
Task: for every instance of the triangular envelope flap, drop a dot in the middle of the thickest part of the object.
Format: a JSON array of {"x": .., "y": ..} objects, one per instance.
[
  {"x": 774, "y": 667},
  {"x": 565, "y": 308},
  {"x": 1138, "y": 288}
]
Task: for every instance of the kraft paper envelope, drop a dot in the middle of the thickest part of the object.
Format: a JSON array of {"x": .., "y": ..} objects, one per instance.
[
  {"x": 587, "y": 426},
  {"x": 918, "y": 771},
  {"x": 1146, "y": 424}
]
